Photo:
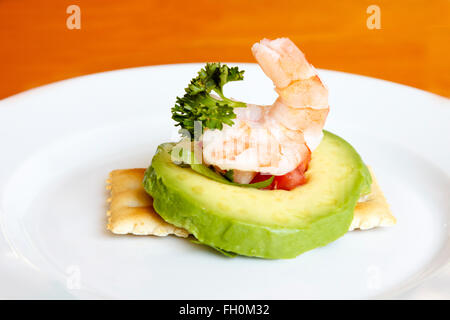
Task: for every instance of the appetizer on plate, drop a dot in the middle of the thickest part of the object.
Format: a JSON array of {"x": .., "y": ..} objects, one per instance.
[{"x": 264, "y": 181}]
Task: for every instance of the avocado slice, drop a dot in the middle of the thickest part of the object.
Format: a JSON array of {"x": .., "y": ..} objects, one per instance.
[{"x": 271, "y": 224}]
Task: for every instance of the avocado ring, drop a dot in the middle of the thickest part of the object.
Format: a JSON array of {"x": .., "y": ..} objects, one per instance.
[{"x": 274, "y": 224}]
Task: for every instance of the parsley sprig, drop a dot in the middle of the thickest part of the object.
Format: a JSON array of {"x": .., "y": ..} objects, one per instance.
[{"x": 198, "y": 103}]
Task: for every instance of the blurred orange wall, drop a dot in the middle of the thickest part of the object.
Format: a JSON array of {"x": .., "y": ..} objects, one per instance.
[{"x": 412, "y": 46}]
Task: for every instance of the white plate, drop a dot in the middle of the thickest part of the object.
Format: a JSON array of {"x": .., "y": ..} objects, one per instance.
[{"x": 59, "y": 142}]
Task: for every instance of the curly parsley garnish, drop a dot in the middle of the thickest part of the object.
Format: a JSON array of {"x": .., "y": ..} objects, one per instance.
[{"x": 198, "y": 104}]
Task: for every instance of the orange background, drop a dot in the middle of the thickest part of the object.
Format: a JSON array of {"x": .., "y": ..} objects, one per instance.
[{"x": 36, "y": 47}]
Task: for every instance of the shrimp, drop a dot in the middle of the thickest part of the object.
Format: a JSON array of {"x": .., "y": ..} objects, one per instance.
[{"x": 273, "y": 139}]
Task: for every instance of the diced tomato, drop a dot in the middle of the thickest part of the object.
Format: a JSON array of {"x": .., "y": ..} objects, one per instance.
[
  {"x": 288, "y": 181},
  {"x": 263, "y": 177}
]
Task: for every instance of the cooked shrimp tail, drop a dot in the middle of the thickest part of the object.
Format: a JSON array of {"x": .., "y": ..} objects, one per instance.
[{"x": 274, "y": 139}]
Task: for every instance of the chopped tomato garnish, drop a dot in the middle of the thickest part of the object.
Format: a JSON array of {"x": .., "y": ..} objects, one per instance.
[{"x": 288, "y": 181}]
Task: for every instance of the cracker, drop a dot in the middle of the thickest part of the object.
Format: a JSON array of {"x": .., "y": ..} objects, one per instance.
[
  {"x": 373, "y": 211},
  {"x": 131, "y": 208}
]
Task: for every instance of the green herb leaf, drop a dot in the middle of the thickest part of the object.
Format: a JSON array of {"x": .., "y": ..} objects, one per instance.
[
  {"x": 183, "y": 159},
  {"x": 199, "y": 105},
  {"x": 229, "y": 175}
]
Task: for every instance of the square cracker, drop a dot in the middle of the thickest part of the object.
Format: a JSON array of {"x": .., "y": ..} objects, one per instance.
[
  {"x": 131, "y": 208},
  {"x": 373, "y": 211}
]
